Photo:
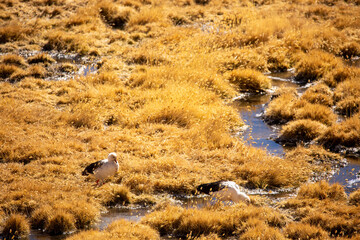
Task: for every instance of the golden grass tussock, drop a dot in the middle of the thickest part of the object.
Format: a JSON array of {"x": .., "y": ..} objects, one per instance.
[
  {"x": 7, "y": 71},
  {"x": 322, "y": 190},
  {"x": 354, "y": 197},
  {"x": 120, "y": 229},
  {"x": 350, "y": 50},
  {"x": 13, "y": 59},
  {"x": 115, "y": 15},
  {"x": 243, "y": 58},
  {"x": 40, "y": 217},
  {"x": 249, "y": 80},
  {"x": 281, "y": 109},
  {"x": 148, "y": 16},
  {"x": 61, "y": 222},
  {"x": 304, "y": 231},
  {"x": 343, "y": 134},
  {"x": 331, "y": 214},
  {"x": 315, "y": 65},
  {"x": 13, "y": 32},
  {"x": 112, "y": 195},
  {"x": 68, "y": 68},
  {"x": 41, "y": 58},
  {"x": 16, "y": 227},
  {"x": 223, "y": 221},
  {"x": 301, "y": 131},
  {"x": 316, "y": 112},
  {"x": 347, "y": 89},
  {"x": 340, "y": 74},
  {"x": 318, "y": 94},
  {"x": 348, "y": 106},
  {"x": 59, "y": 40},
  {"x": 316, "y": 155}
]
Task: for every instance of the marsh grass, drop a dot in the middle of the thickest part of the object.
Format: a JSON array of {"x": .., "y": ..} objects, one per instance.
[
  {"x": 301, "y": 131},
  {"x": 13, "y": 32},
  {"x": 7, "y": 70},
  {"x": 343, "y": 134},
  {"x": 249, "y": 80},
  {"x": 316, "y": 112},
  {"x": 113, "y": 195},
  {"x": 68, "y": 68},
  {"x": 348, "y": 106},
  {"x": 319, "y": 94},
  {"x": 354, "y": 198},
  {"x": 315, "y": 65},
  {"x": 41, "y": 58},
  {"x": 120, "y": 229},
  {"x": 16, "y": 227},
  {"x": 339, "y": 74},
  {"x": 115, "y": 15},
  {"x": 227, "y": 221},
  {"x": 324, "y": 207},
  {"x": 322, "y": 190},
  {"x": 61, "y": 222},
  {"x": 13, "y": 59},
  {"x": 60, "y": 41},
  {"x": 160, "y": 99},
  {"x": 304, "y": 231},
  {"x": 282, "y": 108}
]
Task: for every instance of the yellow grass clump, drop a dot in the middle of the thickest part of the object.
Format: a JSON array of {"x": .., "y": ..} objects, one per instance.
[
  {"x": 316, "y": 112},
  {"x": 349, "y": 88},
  {"x": 343, "y": 134},
  {"x": 15, "y": 227},
  {"x": 113, "y": 195},
  {"x": 13, "y": 59},
  {"x": 223, "y": 221},
  {"x": 322, "y": 190},
  {"x": 318, "y": 94},
  {"x": 41, "y": 58},
  {"x": 304, "y": 231},
  {"x": 120, "y": 229},
  {"x": 301, "y": 131},
  {"x": 281, "y": 109},
  {"x": 13, "y": 32},
  {"x": 61, "y": 222},
  {"x": 248, "y": 80},
  {"x": 354, "y": 198},
  {"x": 348, "y": 106},
  {"x": 315, "y": 65},
  {"x": 113, "y": 14},
  {"x": 7, "y": 71},
  {"x": 340, "y": 74}
]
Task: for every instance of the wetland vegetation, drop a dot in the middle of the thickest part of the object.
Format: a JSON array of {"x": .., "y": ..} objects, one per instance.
[{"x": 157, "y": 82}]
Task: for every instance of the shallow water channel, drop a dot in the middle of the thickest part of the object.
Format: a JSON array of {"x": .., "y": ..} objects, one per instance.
[{"x": 258, "y": 134}]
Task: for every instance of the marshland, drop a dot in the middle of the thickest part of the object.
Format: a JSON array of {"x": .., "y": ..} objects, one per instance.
[{"x": 265, "y": 93}]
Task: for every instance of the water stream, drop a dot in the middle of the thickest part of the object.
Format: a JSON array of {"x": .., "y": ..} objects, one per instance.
[{"x": 258, "y": 134}]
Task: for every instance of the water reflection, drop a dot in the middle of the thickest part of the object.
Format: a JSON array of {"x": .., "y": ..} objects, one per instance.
[
  {"x": 251, "y": 107},
  {"x": 348, "y": 176}
]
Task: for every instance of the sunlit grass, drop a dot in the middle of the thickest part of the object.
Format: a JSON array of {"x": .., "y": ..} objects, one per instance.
[{"x": 166, "y": 72}]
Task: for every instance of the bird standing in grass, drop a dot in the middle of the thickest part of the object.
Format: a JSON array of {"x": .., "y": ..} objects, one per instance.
[
  {"x": 103, "y": 169},
  {"x": 224, "y": 191}
]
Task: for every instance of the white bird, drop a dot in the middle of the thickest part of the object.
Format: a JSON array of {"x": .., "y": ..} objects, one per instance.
[
  {"x": 224, "y": 191},
  {"x": 103, "y": 169}
]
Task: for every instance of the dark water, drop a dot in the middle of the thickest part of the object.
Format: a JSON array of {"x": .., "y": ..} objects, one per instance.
[
  {"x": 348, "y": 176},
  {"x": 251, "y": 107}
]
